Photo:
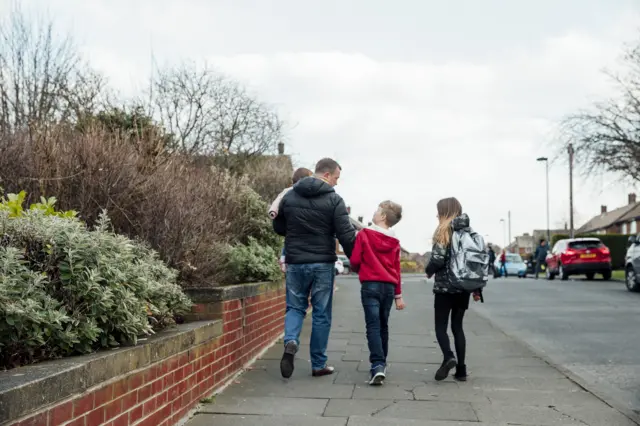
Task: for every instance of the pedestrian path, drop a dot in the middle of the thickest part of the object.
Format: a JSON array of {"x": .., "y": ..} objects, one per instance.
[{"x": 508, "y": 385}]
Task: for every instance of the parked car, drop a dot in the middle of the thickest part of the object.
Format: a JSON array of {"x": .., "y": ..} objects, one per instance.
[
  {"x": 579, "y": 256},
  {"x": 515, "y": 266},
  {"x": 632, "y": 264},
  {"x": 339, "y": 267},
  {"x": 345, "y": 262}
]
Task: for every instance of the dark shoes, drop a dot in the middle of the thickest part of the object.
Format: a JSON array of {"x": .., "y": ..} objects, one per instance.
[
  {"x": 286, "y": 364},
  {"x": 461, "y": 373},
  {"x": 378, "y": 374},
  {"x": 443, "y": 371},
  {"x": 327, "y": 370}
]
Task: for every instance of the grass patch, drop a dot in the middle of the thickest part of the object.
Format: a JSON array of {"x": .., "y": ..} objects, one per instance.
[{"x": 618, "y": 275}]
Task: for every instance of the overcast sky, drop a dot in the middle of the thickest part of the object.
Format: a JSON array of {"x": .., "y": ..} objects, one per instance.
[{"x": 417, "y": 99}]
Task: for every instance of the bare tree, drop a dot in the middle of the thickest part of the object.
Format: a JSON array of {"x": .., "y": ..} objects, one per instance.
[
  {"x": 210, "y": 114},
  {"x": 42, "y": 79},
  {"x": 606, "y": 138}
]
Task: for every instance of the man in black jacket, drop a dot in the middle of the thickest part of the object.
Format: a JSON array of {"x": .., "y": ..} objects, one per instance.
[{"x": 311, "y": 216}]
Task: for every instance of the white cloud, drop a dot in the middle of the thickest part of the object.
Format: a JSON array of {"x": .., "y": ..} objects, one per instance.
[{"x": 413, "y": 129}]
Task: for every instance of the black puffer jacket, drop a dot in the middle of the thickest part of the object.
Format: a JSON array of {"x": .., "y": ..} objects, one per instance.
[
  {"x": 310, "y": 217},
  {"x": 439, "y": 262}
]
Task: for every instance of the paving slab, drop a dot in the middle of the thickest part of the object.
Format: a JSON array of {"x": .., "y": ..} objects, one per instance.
[
  {"x": 508, "y": 384},
  {"x": 236, "y": 420}
]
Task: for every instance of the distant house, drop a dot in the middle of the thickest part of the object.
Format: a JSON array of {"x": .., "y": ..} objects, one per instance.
[{"x": 623, "y": 220}]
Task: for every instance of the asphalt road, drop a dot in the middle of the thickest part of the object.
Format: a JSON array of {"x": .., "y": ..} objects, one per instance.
[{"x": 591, "y": 328}]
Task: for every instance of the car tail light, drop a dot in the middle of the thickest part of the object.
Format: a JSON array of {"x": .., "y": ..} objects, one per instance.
[
  {"x": 570, "y": 252},
  {"x": 605, "y": 251}
]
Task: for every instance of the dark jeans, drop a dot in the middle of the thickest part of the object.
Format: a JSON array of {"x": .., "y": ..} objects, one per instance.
[
  {"x": 503, "y": 267},
  {"x": 442, "y": 319},
  {"x": 377, "y": 299},
  {"x": 315, "y": 279}
]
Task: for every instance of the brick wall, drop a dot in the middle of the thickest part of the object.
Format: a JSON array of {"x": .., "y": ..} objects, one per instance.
[{"x": 163, "y": 393}]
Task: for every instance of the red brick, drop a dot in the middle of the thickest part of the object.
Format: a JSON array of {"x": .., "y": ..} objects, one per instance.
[
  {"x": 113, "y": 409},
  {"x": 95, "y": 417},
  {"x": 156, "y": 387},
  {"x": 122, "y": 420},
  {"x": 135, "y": 414},
  {"x": 104, "y": 395},
  {"x": 37, "y": 420},
  {"x": 61, "y": 413},
  {"x": 120, "y": 388},
  {"x": 83, "y": 405},
  {"x": 144, "y": 392},
  {"x": 149, "y": 407},
  {"x": 76, "y": 422},
  {"x": 129, "y": 400},
  {"x": 136, "y": 381}
]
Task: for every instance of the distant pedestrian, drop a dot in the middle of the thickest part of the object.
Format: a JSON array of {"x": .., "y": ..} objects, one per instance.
[
  {"x": 492, "y": 260},
  {"x": 310, "y": 218},
  {"x": 540, "y": 256},
  {"x": 376, "y": 258},
  {"x": 503, "y": 263},
  {"x": 449, "y": 300}
]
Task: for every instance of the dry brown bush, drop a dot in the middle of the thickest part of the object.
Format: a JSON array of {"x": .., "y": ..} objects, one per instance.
[{"x": 189, "y": 214}]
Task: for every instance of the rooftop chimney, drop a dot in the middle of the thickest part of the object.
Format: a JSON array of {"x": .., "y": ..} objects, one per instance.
[
  {"x": 632, "y": 198},
  {"x": 281, "y": 148},
  {"x": 360, "y": 219},
  {"x": 603, "y": 209}
]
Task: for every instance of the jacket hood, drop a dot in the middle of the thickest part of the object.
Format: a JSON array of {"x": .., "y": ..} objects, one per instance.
[
  {"x": 381, "y": 240},
  {"x": 312, "y": 187},
  {"x": 460, "y": 222}
]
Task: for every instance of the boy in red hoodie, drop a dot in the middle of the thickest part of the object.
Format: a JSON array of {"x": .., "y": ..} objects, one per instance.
[{"x": 376, "y": 258}]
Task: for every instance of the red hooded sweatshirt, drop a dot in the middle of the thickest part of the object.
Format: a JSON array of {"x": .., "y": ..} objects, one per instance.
[{"x": 376, "y": 256}]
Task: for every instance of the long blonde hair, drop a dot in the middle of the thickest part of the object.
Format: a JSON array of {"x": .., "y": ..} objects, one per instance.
[{"x": 448, "y": 209}]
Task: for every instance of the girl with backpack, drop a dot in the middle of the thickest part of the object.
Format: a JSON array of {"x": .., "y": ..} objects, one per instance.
[{"x": 450, "y": 300}]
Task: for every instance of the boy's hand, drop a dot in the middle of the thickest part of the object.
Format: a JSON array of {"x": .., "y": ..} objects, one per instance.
[
  {"x": 476, "y": 296},
  {"x": 400, "y": 304}
]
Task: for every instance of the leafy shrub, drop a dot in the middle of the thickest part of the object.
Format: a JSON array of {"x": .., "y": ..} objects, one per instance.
[
  {"x": 251, "y": 262},
  {"x": 66, "y": 289},
  {"x": 190, "y": 213},
  {"x": 410, "y": 266},
  {"x": 617, "y": 244}
]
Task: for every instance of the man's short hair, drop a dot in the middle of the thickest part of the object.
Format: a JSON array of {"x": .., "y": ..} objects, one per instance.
[
  {"x": 301, "y": 172},
  {"x": 392, "y": 212},
  {"x": 327, "y": 165}
]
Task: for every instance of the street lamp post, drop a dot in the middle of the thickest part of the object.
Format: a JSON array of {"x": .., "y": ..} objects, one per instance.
[
  {"x": 546, "y": 164},
  {"x": 571, "y": 231},
  {"x": 504, "y": 234}
]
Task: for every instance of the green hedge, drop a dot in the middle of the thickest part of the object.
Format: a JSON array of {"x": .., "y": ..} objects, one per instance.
[{"x": 617, "y": 243}]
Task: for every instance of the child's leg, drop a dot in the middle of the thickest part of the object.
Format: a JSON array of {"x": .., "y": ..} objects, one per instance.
[
  {"x": 370, "y": 296},
  {"x": 457, "y": 317},
  {"x": 442, "y": 311},
  {"x": 385, "y": 311}
]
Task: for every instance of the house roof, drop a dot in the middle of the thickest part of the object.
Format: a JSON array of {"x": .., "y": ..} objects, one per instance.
[{"x": 604, "y": 220}]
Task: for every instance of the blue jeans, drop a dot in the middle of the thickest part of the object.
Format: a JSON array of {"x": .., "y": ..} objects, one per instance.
[
  {"x": 377, "y": 299},
  {"x": 315, "y": 279}
]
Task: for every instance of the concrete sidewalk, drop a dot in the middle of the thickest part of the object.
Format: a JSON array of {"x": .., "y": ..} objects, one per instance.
[{"x": 508, "y": 385}]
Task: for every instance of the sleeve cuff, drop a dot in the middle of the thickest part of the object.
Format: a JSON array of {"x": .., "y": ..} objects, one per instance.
[{"x": 398, "y": 296}]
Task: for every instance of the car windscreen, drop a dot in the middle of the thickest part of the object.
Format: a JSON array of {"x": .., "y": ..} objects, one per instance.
[
  {"x": 514, "y": 258},
  {"x": 585, "y": 244}
]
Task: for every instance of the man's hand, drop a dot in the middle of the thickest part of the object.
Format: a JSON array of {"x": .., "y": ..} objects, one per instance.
[
  {"x": 429, "y": 276},
  {"x": 400, "y": 304}
]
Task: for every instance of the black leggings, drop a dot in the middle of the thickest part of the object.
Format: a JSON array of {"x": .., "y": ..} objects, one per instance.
[{"x": 442, "y": 319}]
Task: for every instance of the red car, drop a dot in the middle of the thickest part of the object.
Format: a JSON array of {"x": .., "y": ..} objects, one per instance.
[{"x": 579, "y": 256}]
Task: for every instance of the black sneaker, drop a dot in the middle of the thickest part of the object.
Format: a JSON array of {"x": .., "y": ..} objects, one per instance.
[
  {"x": 461, "y": 373},
  {"x": 378, "y": 375},
  {"x": 443, "y": 371},
  {"x": 286, "y": 364}
]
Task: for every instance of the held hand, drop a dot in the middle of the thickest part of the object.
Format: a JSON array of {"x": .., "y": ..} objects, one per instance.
[
  {"x": 400, "y": 304},
  {"x": 429, "y": 276},
  {"x": 476, "y": 296}
]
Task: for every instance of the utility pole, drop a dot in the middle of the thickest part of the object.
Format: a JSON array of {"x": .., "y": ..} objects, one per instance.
[
  {"x": 571, "y": 230},
  {"x": 546, "y": 163},
  {"x": 504, "y": 234}
]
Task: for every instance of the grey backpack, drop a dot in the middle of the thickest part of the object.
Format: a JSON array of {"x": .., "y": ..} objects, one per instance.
[{"x": 469, "y": 263}]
